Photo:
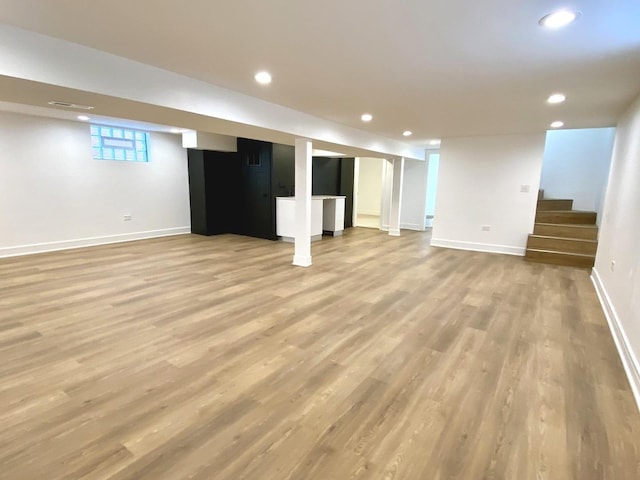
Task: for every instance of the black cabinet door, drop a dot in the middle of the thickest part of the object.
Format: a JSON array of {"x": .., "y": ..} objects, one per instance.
[
  {"x": 256, "y": 167},
  {"x": 197, "y": 192},
  {"x": 214, "y": 184},
  {"x": 223, "y": 180},
  {"x": 346, "y": 188},
  {"x": 325, "y": 176}
]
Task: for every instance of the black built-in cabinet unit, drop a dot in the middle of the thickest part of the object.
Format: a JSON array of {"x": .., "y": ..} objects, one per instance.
[
  {"x": 334, "y": 176},
  {"x": 214, "y": 191},
  {"x": 236, "y": 192},
  {"x": 347, "y": 179}
]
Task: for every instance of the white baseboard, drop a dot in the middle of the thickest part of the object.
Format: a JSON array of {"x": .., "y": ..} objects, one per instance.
[
  {"x": 89, "y": 242},
  {"x": 478, "y": 247},
  {"x": 627, "y": 355},
  {"x": 302, "y": 260},
  {"x": 412, "y": 226},
  {"x": 314, "y": 238},
  {"x": 394, "y": 232},
  {"x": 371, "y": 213}
]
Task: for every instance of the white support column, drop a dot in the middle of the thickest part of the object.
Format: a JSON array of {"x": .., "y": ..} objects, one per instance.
[
  {"x": 396, "y": 197},
  {"x": 302, "y": 254}
]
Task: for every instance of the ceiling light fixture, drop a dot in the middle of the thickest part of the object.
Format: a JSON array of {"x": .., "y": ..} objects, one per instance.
[
  {"x": 556, "y": 98},
  {"x": 434, "y": 142},
  {"x": 407, "y": 133},
  {"x": 558, "y": 19},
  {"x": 366, "y": 117},
  {"x": 84, "y": 118},
  {"x": 263, "y": 78},
  {"x": 557, "y": 124}
]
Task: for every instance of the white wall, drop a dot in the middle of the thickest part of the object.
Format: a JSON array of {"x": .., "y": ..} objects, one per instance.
[
  {"x": 576, "y": 165},
  {"x": 479, "y": 183},
  {"x": 387, "y": 189},
  {"x": 369, "y": 185},
  {"x": 53, "y": 195},
  {"x": 414, "y": 192},
  {"x": 433, "y": 161},
  {"x": 619, "y": 242}
]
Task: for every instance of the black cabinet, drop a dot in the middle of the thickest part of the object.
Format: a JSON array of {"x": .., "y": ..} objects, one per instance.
[
  {"x": 236, "y": 192},
  {"x": 214, "y": 184},
  {"x": 335, "y": 176},
  {"x": 258, "y": 217},
  {"x": 347, "y": 178}
]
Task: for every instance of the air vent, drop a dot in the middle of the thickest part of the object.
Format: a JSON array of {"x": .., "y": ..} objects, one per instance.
[{"x": 71, "y": 105}]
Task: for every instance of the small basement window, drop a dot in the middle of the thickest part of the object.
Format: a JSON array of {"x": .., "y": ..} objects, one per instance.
[{"x": 116, "y": 143}]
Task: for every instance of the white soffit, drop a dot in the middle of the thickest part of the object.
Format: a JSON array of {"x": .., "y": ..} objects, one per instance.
[{"x": 34, "y": 57}]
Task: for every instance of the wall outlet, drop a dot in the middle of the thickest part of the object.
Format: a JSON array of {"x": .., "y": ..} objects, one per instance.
[
  {"x": 127, "y": 218},
  {"x": 613, "y": 265},
  {"x": 524, "y": 188},
  {"x": 485, "y": 228}
]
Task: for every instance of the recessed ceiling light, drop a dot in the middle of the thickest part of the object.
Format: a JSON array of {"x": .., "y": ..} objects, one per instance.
[
  {"x": 263, "y": 78},
  {"x": 407, "y": 133},
  {"x": 556, "y": 98},
  {"x": 366, "y": 117},
  {"x": 557, "y": 124},
  {"x": 84, "y": 118},
  {"x": 434, "y": 142},
  {"x": 558, "y": 19}
]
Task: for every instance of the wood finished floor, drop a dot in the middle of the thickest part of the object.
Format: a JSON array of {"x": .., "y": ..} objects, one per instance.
[{"x": 213, "y": 358}]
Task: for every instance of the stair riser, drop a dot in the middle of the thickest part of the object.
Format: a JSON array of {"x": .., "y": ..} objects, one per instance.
[
  {"x": 585, "y": 233},
  {"x": 560, "y": 259},
  {"x": 546, "y": 205},
  {"x": 578, "y": 218},
  {"x": 562, "y": 245}
]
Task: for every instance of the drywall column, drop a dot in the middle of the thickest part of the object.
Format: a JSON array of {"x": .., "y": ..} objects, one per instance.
[
  {"x": 302, "y": 254},
  {"x": 396, "y": 196}
]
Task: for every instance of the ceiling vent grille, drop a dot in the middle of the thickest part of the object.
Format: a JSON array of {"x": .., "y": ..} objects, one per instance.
[{"x": 70, "y": 105}]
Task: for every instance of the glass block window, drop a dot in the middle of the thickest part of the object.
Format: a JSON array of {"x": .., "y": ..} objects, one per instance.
[{"x": 117, "y": 143}]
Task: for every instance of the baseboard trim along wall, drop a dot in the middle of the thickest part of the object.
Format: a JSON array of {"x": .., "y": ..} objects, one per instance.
[
  {"x": 89, "y": 242},
  {"x": 478, "y": 247},
  {"x": 373, "y": 213},
  {"x": 412, "y": 226},
  {"x": 629, "y": 360}
]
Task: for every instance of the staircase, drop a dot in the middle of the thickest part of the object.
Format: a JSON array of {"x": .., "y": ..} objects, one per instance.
[{"x": 562, "y": 236}]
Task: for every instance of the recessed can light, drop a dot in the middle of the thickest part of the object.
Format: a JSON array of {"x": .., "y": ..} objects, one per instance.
[
  {"x": 366, "y": 117},
  {"x": 407, "y": 133},
  {"x": 558, "y": 19},
  {"x": 556, "y": 98},
  {"x": 557, "y": 124},
  {"x": 434, "y": 142},
  {"x": 84, "y": 118},
  {"x": 263, "y": 78}
]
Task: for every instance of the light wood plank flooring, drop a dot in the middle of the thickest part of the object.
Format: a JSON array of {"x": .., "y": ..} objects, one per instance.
[{"x": 213, "y": 358}]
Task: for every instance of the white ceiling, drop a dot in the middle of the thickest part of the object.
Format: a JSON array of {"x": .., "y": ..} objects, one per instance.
[{"x": 439, "y": 68}]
